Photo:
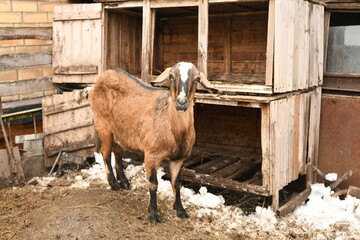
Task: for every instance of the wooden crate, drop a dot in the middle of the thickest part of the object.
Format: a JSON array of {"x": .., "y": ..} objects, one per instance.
[
  {"x": 67, "y": 123},
  {"x": 235, "y": 43}
]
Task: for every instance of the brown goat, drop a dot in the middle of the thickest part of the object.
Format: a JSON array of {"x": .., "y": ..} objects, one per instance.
[{"x": 130, "y": 115}]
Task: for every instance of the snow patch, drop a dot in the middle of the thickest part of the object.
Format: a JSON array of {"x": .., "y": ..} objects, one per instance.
[
  {"x": 322, "y": 210},
  {"x": 332, "y": 177}
]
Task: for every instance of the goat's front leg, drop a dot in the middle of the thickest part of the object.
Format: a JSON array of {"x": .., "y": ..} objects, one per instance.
[
  {"x": 175, "y": 171},
  {"x": 151, "y": 166}
]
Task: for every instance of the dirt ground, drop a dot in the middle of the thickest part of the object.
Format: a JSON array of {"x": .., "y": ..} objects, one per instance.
[
  {"x": 57, "y": 211},
  {"x": 94, "y": 213}
]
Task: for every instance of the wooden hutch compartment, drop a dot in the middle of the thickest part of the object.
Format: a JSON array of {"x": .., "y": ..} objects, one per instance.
[
  {"x": 235, "y": 43},
  {"x": 254, "y": 144}
]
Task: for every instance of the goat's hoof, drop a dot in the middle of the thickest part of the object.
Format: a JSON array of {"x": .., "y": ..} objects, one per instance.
[
  {"x": 182, "y": 214},
  {"x": 115, "y": 186},
  {"x": 125, "y": 184},
  {"x": 155, "y": 218}
]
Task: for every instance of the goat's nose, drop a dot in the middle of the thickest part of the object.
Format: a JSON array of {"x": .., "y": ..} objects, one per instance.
[{"x": 181, "y": 100}]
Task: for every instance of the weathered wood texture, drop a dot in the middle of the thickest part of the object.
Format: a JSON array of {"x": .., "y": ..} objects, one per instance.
[
  {"x": 342, "y": 82},
  {"x": 7, "y": 177},
  {"x": 10, "y": 33},
  {"x": 25, "y": 86},
  {"x": 237, "y": 43},
  {"x": 123, "y": 42},
  {"x": 20, "y": 60},
  {"x": 289, "y": 137},
  {"x": 233, "y": 128},
  {"x": 77, "y": 131},
  {"x": 299, "y": 42},
  {"x": 77, "y": 38}
]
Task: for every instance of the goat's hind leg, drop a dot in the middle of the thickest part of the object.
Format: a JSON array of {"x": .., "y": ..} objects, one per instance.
[
  {"x": 175, "y": 172},
  {"x": 106, "y": 140},
  {"x": 119, "y": 166}
]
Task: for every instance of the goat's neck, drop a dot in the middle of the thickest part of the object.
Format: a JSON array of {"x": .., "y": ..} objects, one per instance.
[{"x": 181, "y": 121}]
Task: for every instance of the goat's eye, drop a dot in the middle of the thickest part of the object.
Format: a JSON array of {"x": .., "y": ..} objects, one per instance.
[
  {"x": 171, "y": 77},
  {"x": 197, "y": 79}
]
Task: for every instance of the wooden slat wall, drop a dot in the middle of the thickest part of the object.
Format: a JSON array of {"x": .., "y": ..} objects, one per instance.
[
  {"x": 77, "y": 40},
  {"x": 77, "y": 132},
  {"x": 123, "y": 42},
  {"x": 289, "y": 121},
  {"x": 236, "y": 45},
  {"x": 298, "y": 49}
]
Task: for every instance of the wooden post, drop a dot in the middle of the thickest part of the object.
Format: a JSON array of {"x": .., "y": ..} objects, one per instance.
[
  {"x": 270, "y": 45},
  {"x": 203, "y": 35},
  {"x": 147, "y": 41}
]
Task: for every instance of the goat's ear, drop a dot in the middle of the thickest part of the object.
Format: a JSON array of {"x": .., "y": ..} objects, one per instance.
[
  {"x": 206, "y": 85},
  {"x": 160, "y": 81}
]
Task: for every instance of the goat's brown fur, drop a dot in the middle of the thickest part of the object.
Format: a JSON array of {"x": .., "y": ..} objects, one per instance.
[{"x": 144, "y": 119}]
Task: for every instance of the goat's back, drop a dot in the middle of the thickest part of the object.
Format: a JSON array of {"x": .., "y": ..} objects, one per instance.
[{"x": 135, "y": 114}]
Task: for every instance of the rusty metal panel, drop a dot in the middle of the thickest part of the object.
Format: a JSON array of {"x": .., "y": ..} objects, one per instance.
[{"x": 339, "y": 149}]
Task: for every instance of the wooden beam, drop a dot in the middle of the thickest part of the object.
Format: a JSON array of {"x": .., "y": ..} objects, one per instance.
[
  {"x": 293, "y": 203},
  {"x": 203, "y": 32},
  {"x": 147, "y": 50},
  {"x": 173, "y": 3},
  {"x": 344, "y": 177},
  {"x": 270, "y": 45},
  {"x": 127, "y": 4},
  {"x": 9, "y": 88},
  {"x": 19, "y": 60},
  {"x": 10, "y": 33},
  {"x": 192, "y": 176},
  {"x": 78, "y": 70},
  {"x": 342, "y": 6}
]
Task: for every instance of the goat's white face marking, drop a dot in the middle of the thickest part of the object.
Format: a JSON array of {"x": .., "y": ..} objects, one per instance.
[{"x": 184, "y": 70}]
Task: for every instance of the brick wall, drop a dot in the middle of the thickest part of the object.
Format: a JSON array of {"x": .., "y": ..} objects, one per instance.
[{"x": 15, "y": 13}]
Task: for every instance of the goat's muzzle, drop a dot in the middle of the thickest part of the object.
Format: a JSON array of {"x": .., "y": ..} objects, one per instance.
[{"x": 182, "y": 104}]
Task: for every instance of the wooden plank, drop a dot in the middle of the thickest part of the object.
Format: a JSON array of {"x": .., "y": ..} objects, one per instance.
[
  {"x": 124, "y": 4},
  {"x": 9, "y": 88},
  {"x": 327, "y": 16},
  {"x": 20, "y": 60},
  {"x": 320, "y": 42},
  {"x": 289, "y": 76},
  {"x": 279, "y": 45},
  {"x": 274, "y": 158},
  {"x": 77, "y": 11},
  {"x": 293, "y": 203},
  {"x": 173, "y": 3},
  {"x": 313, "y": 136},
  {"x": 227, "y": 46},
  {"x": 270, "y": 45},
  {"x": 191, "y": 175},
  {"x": 203, "y": 31},
  {"x": 342, "y": 82},
  {"x": 214, "y": 165},
  {"x": 265, "y": 146},
  {"x": 68, "y": 147},
  {"x": 146, "y": 41},
  {"x": 353, "y": 191},
  {"x": 89, "y": 69},
  {"x": 10, "y": 33},
  {"x": 306, "y": 66}
]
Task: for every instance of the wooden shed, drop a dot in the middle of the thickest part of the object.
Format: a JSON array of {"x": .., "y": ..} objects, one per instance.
[{"x": 266, "y": 57}]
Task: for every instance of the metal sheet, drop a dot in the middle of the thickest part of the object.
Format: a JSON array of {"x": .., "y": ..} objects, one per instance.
[{"x": 339, "y": 149}]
